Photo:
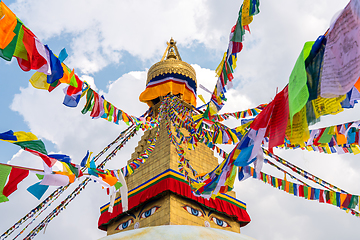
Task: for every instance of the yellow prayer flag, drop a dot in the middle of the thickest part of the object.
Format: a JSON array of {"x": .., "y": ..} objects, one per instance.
[
  {"x": 298, "y": 133},
  {"x": 39, "y": 81},
  {"x": 66, "y": 168},
  {"x": 197, "y": 117},
  {"x": 332, "y": 130},
  {"x": 236, "y": 153},
  {"x": 246, "y": 18},
  {"x": 234, "y": 59},
  {"x": 219, "y": 138},
  {"x": 309, "y": 148},
  {"x": 213, "y": 109},
  {"x": 355, "y": 149},
  {"x": 202, "y": 98},
  {"x": 24, "y": 136},
  {"x": 325, "y": 106},
  {"x": 328, "y": 151},
  {"x": 220, "y": 67}
]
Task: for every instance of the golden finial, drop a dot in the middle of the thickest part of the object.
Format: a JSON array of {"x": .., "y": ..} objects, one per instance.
[{"x": 171, "y": 50}]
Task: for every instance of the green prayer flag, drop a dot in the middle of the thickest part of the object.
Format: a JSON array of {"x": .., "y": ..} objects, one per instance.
[
  {"x": 4, "y": 173},
  {"x": 20, "y": 50},
  {"x": 298, "y": 91},
  {"x": 332, "y": 195},
  {"x": 306, "y": 192},
  {"x": 36, "y": 145},
  {"x": 39, "y": 176},
  {"x": 111, "y": 112},
  {"x": 325, "y": 137},
  {"x": 239, "y": 29},
  {"x": 89, "y": 98},
  {"x": 118, "y": 185},
  {"x": 206, "y": 113},
  {"x": 354, "y": 201},
  {"x": 73, "y": 81},
  {"x": 291, "y": 188},
  {"x": 73, "y": 169}
]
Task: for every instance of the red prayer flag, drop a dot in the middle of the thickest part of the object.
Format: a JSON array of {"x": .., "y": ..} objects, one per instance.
[
  {"x": 247, "y": 28},
  {"x": 96, "y": 109},
  {"x": 237, "y": 47},
  {"x": 301, "y": 190},
  {"x": 48, "y": 160},
  {"x": 16, "y": 176},
  {"x": 35, "y": 60},
  {"x": 74, "y": 90},
  {"x": 321, "y": 197},
  {"x": 279, "y": 119},
  {"x": 262, "y": 120}
]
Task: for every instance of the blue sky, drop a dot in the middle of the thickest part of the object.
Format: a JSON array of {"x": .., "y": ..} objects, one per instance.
[{"x": 112, "y": 44}]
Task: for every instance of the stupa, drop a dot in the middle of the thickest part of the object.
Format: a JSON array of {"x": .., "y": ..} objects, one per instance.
[{"x": 161, "y": 203}]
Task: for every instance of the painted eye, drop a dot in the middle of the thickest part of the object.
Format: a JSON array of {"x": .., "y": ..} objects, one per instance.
[
  {"x": 220, "y": 222},
  {"x": 149, "y": 212},
  {"x": 193, "y": 211},
  {"x": 124, "y": 225}
]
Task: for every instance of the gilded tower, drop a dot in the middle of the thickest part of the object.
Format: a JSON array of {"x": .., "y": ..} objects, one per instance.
[{"x": 159, "y": 196}]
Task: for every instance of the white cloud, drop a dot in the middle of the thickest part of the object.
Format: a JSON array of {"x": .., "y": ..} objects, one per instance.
[{"x": 99, "y": 31}]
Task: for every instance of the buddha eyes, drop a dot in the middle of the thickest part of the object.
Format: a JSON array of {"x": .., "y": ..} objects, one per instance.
[
  {"x": 220, "y": 222},
  {"x": 149, "y": 212},
  {"x": 193, "y": 211},
  {"x": 124, "y": 225}
]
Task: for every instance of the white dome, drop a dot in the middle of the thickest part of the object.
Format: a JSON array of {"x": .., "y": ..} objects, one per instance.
[{"x": 175, "y": 232}]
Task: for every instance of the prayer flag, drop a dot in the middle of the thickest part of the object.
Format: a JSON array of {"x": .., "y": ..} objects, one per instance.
[
  {"x": 37, "y": 190},
  {"x": 8, "y": 23},
  {"x": 4, "y": 173},
  {"x": 16, "y": 176},
  {"x": 298, "y": 91}
]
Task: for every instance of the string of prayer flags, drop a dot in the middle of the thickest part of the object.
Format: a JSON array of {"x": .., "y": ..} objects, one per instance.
[
  {"x": 224, "y": 71},
  {"x": 17, "y": 40},
  {"x": 124, "y": 135},
  {"x": 252, "y": 112},
  {"x": 341, "y": 200},
  {"x": 248, "y": 9},
  {"x": 341, "y": 138},
  {"x": 302, "y": 172}
]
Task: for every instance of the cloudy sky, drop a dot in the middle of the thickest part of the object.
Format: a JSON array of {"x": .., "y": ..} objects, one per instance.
[{"x": 111, "y": 44}]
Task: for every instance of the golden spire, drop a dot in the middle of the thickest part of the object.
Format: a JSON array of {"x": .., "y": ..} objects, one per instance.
[{"x": 171, "y": 63}]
